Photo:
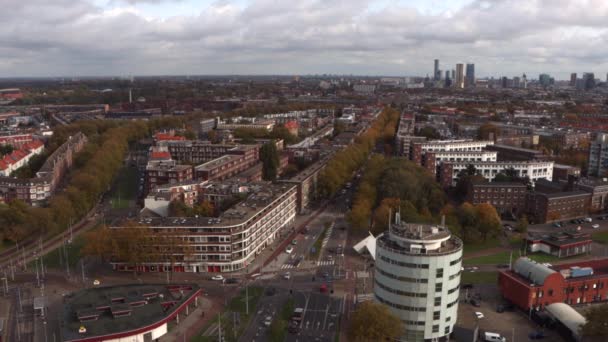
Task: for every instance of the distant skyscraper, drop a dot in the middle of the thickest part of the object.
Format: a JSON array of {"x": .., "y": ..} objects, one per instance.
[
  {"x": 573, "y": 79},
  {"x": 459, "y": 79},
  {"x": 436, "y": 73},
  {"x": 453, "y": 74},
  {"x": 448, "y": 81},
  {"x": 589, "y": 80},
  {"x": 504, "y": 81},
  {"x": 516, "y": 82},
  {"x": 545, "y": 80},
  {"x": 525, "y": 81},
  {"x": 470, "y": 78}
]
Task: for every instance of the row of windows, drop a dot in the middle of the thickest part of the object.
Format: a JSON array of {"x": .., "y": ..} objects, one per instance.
[
  {"x": 410, "y": 280},
  {"x": 399, "y": 292},
  {"x": 399, "y": 306},
  {"x": 454, "y": 262},
  {"x": 403, "y": 264}
]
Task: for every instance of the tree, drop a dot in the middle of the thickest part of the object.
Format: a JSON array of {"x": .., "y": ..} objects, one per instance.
[
  {"x": 522, "y": 224},
  {"x": 98, "y": 243},
  {"x": 6, "y": 149},
  {"x": 270, "y": 161},
  {"x": 596, "y": 327},
  {"x": 374, "y": 322},
  {"x": 488, "y": 221}
]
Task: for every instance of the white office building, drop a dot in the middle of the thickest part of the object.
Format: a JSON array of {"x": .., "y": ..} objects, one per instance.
[
  {"x": 534, "y": 170},
  {"x": 417, "y": 275}
]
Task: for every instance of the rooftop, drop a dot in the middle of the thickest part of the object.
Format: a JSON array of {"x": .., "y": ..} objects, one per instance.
[
  {"x": 117, "y": 309},
  {"x": 261, "y": 194}
]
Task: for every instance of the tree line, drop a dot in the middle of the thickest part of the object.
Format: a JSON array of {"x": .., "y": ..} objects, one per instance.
[
  {"x": 344, "y": 163},
  {"x": 92, "y": 174}
]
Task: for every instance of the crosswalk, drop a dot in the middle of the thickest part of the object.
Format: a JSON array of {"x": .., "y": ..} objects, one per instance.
[
  {"x": 288, "y": 266},
  {"x": 326, "y": 263}
]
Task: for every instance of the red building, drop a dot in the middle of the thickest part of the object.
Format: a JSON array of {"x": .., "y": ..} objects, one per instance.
[
  {"x": 533, "y": 285},
  {"x": 11, "y": 94}
]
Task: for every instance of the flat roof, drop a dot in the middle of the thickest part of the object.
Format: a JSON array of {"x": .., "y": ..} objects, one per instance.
[
  {"x": 143, "y": 305},
  {"x": 260, "y": 196}
]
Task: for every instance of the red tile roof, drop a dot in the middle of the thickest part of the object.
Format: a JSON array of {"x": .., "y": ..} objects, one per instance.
[
  {"x": 161, "y": 155},
  {"x": 168, "y": 137}
]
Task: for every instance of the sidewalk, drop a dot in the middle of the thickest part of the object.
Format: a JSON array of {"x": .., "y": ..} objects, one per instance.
[{"x": 189, "y": 326}]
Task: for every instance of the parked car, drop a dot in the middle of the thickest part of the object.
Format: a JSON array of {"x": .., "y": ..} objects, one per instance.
[
  {"x": 493, "y": 337},
  {"x": 232, "y": 281},
  {"x": 479, "y": 315},
  {"x": 294, "y": 242},
  {"x": 557, "y": 225},
  {"x": 268, "y": 321},
  {"x": 595, "y": 226},
  {"x": 588, "y": 219},
  {"x": 217, "y": 277},
  {"x": 289, "y": 249},
  {"x": 502, "y": 265},
  {"x": 271, "y": 291},
  {"x": 287, "y": 275},
  {"x": 475, "y": 302}
]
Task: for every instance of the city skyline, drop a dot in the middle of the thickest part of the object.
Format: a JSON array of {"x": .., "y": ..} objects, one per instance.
[{"x": 261, "y": 37}]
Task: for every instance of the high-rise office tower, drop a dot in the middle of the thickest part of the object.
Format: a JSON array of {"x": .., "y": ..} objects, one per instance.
[
  {"x": 417, "y": 275},
  {"x": 448, "y": 81},
  {"x": 573, "y": 79},
  {"x": 589, "y": 80},
  {"x": 470, "y": 77},
  {"x": 516, "y": 82},
  {"x": 436, "y": 73},
  {"x": 598, "y": 156},
  {"x": 453, "y": 74},
  {"x": 524, "y": 81},
  {"x": 459, "y": 79}
]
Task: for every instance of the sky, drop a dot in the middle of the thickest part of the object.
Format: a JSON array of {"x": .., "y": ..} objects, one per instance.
[{"x": 300, "y": 37}]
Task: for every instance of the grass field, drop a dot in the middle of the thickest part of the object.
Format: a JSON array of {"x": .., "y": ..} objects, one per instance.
[
  {"x": 56, "y": 258},
  {"x": 126, "y": 188},
  {"x": 477, "y": 247},
  {"x": 601, "y": 237},
  {"x": 479, "y": 277},
  {"x": 237, "y": 304},
  {"x": 498, "y": 258}
]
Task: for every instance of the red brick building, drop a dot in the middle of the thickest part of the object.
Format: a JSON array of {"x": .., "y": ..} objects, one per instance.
[
  {"x": 533, "y": 285},
  {"x": 506, "y": 197}
]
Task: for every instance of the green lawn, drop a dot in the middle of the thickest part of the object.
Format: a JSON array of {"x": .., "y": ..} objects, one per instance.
[
  {"x": 601, "y": 237},
  {"x": 542, "y": 257},
  {"x": 498, "y": 258},
  {"x": 126, "y": 188},
  {"x": 56, "y": 258},
  {"x": 477, "y": 247},
  {"x": 479, "y": 277},
  {"x": 237, "y": 304},
  {"x": 319, "y": 242}
]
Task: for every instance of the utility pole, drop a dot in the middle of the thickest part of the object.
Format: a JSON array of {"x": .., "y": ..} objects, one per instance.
[
  {"x": 37, "y": 274},
  {"x": 219, "y": 328},
  {"x": 82, "y": 269},
  {"x": 247, "y": 298}
]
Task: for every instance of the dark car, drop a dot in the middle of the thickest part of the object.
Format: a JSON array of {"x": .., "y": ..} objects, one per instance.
[
  {"x": 475, "y": 302},
  {"x": 271, "y": 291},
  {"x": 502, "y": 265},
  {"x": 466, "y": 286},
  {"x": 232, "y": 281},
  {"x": 536, "y": 335}
]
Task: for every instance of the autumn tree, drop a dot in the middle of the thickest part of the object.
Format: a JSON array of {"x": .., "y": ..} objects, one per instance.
[
  {"x": 488, "y": 221},
  {"x": 374, "y": 322},
  {"x": 98, "y": 243},
  {"x": 596, "y": 326},
  {"x": 270, "y": 161},
  {"x": 522, "y": 224}
]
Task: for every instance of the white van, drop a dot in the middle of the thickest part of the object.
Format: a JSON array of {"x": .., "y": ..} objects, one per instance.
[{"x": 493, "y": 337}]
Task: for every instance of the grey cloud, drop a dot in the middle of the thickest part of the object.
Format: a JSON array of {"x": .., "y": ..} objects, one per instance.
[{"x": 65, "y": 37}]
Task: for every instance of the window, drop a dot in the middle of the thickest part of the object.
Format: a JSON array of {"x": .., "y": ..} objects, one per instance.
[
  {"x": 436, "y": 315},
  {"x": 436, "y": 328},
  {"x": 437, "y": 301},
  {"x": 440, "y": 273},
  {"x": 447, "y": 319},
  {"x": 447, "y": 330},
  {"x": 438, "y": 287},
  {"x": 550, "y": 292}
]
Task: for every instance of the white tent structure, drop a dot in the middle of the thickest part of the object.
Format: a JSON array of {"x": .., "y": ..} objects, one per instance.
[{"x": 367, "y": 245}]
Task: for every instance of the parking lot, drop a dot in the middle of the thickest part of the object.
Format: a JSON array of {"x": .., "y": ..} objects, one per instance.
[{"x": 513, "y": 324}]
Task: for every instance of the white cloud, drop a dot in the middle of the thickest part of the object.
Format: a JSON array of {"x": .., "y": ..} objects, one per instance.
[{"x": 71, "y": 37}]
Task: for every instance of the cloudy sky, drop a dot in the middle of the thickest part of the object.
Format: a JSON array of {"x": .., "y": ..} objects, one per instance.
[{"x": 364, "y": 37}]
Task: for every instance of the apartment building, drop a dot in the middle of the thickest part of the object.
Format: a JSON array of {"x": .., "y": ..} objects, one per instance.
[
  {"x": 543, "y": 207},
  {"x": 159, "y": 172},
  {"x": 507, "y": 152},
  {"x": 197, "y": 152},
  {"x": 227, "y": 243},
  {"x": 508, "y": 198},
  {"x": 37, "y": 190},
  {"x": 598, "y": 156},
  {"x": 250, "y": 123},
  {"x": 533, "y": 170},
  {"x": 224, "y": 167},
  {"x": 418, "y": 149},
  {"x": 432, "y": 160}
]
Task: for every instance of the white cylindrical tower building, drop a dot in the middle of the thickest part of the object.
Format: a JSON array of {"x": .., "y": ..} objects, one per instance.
[{"x": 417, "y": 275}]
